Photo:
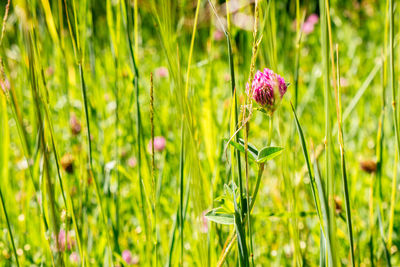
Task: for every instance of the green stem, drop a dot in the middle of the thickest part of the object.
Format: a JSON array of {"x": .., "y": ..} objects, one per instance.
[
  {"x": 181, "y": 168},
  {"x": 90, "y": 166},
  {"x": 392, "y": 84},
  {"x": 392, "y": 200},
  {"x": 9, "y": 228},
  {"x": 138, "y": 125},
  {"x": 257, "y": 187},
  {"x": 232, "y": 238}
]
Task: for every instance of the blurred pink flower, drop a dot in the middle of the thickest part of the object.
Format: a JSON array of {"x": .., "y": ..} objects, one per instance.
[
  {"x": 204, "y": 225},
  {"x": 49, "y": 71},
  {"x": 74, "y": 257},
  {"x": 218, "y": 35},
  {"x": 39, "y": 199},
  {"x": 132, "y": 162},
  {"x": 5, "y": 85},
  {"x": 313, "y": 18},
  {"x": 159, "y": 144},
  {"x": 308, "y": 27},
  {"x": 127, "y": 256},
  {"x": 64, "y": 239},
  {"x": 227, "y": 77},
  {"x": 344, "y": 82},
  {"x": 161, "y": 72}
]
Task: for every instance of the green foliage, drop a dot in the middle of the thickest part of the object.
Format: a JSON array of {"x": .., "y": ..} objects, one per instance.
[{"x": 232, "y": 186}]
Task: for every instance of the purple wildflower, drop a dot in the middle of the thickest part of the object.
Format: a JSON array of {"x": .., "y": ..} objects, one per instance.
[
  {"x": 162, "y": 72},
  {"x": 308, "y": 26},
  {"x": 5, "y": 85},
  {"x": 159, "y": 144},
  {"x": 74, "y": 257},
  {"x": 127, "y": 256},
  {"x": 313, "y": 18},
  {"x": 264, "y": 87},
  {"x": 132, "y": 162},
  {"x": 65, "y": 240},
  {"x": 204, "y": 226},
  {"x": 50, "y": 71},
  {"x": 218, "y": 35}
]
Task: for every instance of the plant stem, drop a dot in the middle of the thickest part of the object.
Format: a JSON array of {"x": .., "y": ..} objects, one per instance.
[
  {"x": 232, "y": 238},
  {"x": 9, "y": 228},
  {"x": 138, "y": 125},
  {"x": 343, "y": 161},
  {"x": 325, "y": 29},
  {"x": 394, "y": 96},
  {"x": 371, "y": 219},
  {"x": 153, "y": 169},
  {"x": 90, "y": 165},
  {"x": 392, "y": 201},
  {"x": 181, "y": 173}
]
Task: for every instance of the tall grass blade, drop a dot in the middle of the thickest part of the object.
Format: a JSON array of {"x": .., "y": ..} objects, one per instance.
[
  {"x": 381, "y": 231},
  {"x": 4, "y": 158},
  {"x": 342, "y": 157}
]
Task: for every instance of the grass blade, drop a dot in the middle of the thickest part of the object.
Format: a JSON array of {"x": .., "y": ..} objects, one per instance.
[
  {"x": 4, "y": 157},
  {"x": 343, "y": 160}
]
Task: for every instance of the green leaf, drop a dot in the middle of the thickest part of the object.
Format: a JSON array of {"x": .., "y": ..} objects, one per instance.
[
  {"x": 241, "y": 238},
  {"x": 268, "y": 153},
  {"x": 217, "y": 216},
  {"x": 229, "y": 191},
  {"x": 253, "y": 152},
  {"x": 265, "y": 154},
  {"x": 251, "y": 147},
  {"x": 225, "y": 204}
]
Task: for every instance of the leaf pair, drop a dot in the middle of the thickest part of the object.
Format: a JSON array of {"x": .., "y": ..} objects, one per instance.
[
  {"x": 258, "y": 156},
  {"x": 225, "y": 213}
]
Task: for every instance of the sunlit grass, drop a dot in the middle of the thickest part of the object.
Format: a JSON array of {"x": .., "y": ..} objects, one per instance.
[{"x": 89, "y": 88}]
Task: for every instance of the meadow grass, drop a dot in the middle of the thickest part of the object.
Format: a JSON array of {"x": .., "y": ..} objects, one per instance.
[{"x": 133, "y": 133}]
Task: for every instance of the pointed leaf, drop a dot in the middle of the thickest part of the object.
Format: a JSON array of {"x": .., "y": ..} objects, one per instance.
[
  {"x": 217, "y": 216},
  {"x": 241, "y": 238},
  {"x": 252, "y": 148},
  {"x": 253, "y": 153},
  {"x": 268, "y": 153}
]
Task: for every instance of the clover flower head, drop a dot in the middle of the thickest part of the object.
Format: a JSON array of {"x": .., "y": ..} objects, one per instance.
[
  {"x": 267, "y": 89},
  {"x": 66, "y": 240},
  {"x": 132, "y": 162},
  {"x": 127, "y": 256},
  {"x": 218, "y": 35},
  {"x": 159, "y": 144},
  {"x": 313, "y": 18},
  {"x": 308, "y": 26},
  {"x": 74, "y": 257},
  {"x": 162, "y": 72}
]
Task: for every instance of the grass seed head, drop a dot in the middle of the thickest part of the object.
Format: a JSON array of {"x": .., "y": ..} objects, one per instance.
[
  {"x": 75, "y": 125},
  {"x": 67, "y": 162},
  {"x": 368, "y": 166}
]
